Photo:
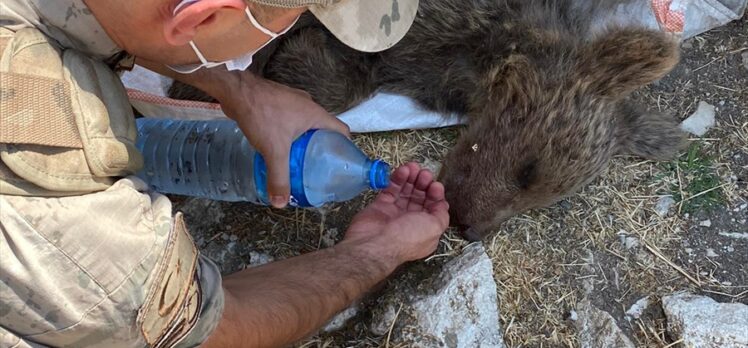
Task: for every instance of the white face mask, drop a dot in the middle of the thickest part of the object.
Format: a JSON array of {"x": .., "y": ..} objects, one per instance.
[{"x": 239, "y": 63}]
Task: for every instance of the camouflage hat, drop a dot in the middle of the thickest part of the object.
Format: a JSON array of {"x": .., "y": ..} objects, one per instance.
[{"x": 365, "y": 25}]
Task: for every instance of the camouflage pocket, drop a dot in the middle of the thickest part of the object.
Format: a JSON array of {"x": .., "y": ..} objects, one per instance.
[{"x": 174, "y": 299}]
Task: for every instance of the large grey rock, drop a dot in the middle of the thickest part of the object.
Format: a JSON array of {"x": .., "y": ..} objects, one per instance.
[
  {"x": 456, "y": 308},
  {"x": 598, "y": 329},
  {"x": 703, "y": 323}
]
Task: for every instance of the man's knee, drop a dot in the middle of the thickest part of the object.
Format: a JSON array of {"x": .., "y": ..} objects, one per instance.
[{"x": 104, "y": 268}]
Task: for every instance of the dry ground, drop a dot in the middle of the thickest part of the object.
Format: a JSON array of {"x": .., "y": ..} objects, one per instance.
[{"x": 605, "y": 243}]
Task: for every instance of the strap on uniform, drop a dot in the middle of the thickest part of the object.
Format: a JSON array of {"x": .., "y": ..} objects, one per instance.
[{"x": 36, "y": 110}]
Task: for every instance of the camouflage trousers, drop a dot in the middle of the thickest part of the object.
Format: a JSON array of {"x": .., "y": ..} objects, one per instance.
[{"x": 106, "y": 269}]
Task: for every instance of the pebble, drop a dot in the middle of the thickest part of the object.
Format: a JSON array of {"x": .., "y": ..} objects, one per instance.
[
  {"x": 734, "y": 235},
  {"x": 730, "y": 249},
  {"x": 573, "y": 315},
  {"x": 745, "y": 59},
  {"x": 706, "y": 223},
  {"x": 663, "y": 205},
  {"x": 566, "y": 205},
  {"x": 710, "y": 253},
  {"x": 637, "y": 308},
  {"x": 701, "y": 120}
]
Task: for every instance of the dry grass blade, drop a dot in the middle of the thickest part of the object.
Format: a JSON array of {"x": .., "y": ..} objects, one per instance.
[
  {"x": 680, "y": 270},
  {"x": 392, "y": 326}
]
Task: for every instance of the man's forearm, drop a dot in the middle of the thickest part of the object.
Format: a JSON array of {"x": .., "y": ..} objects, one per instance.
[{"x": 282, "y": 302}]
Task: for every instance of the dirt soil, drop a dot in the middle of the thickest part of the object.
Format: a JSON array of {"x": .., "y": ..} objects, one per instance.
[{"x": 605, "y": 243}]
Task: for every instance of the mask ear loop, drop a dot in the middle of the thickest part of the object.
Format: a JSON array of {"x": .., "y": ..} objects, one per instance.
[
  {"x": 259, "y": 26},
  {"x": 198, "y": 53}
]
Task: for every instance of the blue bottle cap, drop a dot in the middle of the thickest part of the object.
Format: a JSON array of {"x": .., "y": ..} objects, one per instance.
[{"x": 379, "y": 175}]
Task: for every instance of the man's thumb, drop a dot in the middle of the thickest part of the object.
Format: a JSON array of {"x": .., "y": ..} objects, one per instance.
[{"x": 278, "y": 180}]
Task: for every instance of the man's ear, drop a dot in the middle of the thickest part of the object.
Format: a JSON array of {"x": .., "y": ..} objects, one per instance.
[{"x": 180, "y": 28}]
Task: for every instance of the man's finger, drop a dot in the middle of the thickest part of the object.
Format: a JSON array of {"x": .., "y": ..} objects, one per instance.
[
  {"x": 278, "y": 180},
  {"x": 397, "y": 180},
  {"x": 440, "y": 210}
]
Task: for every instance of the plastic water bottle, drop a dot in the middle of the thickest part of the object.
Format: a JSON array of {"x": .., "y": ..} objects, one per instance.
[{"x": 213, "y": 159}]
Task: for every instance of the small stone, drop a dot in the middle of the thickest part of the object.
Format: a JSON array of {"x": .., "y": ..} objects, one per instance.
[
  {"x": 566, "y": 205},
  {"x": 745, "y": 59},
  {"x": 688, "y": 250},
  {"x": 663, "y": 205},
  {"x": 686, "y": 45},
  {"x": 706, "y": 223},
  {"x": 743, "y": 206},
  {"x": 730, "y": 249},
  {"x": 339, "y": 320},
  {"x": 432, "y": 165},
  {"x": 637, "y": 308},
  {"x": 233, "y": 238},
  {"x": 734, "y": 235},
  {"x": 710, "y": 253},
  {"x": 700, "y": 321},
  {"x": 258, "y": 259},
  {"x": 597, "y": 328},
  {"x": 573, "y": 315},
  {"x": 700, "y": 121}
]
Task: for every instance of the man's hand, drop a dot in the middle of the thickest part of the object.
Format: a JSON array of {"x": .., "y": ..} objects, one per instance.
[
  {"x": 280, "y": 302},
  {"x": 406, "y": 220},
  {"x": 272, "y": 116}
]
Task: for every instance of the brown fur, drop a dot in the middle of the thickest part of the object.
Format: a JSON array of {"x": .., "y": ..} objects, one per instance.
[{"x": 545, "y": 96}]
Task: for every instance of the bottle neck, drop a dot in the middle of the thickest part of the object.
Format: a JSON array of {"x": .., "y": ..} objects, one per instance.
[{"x": 379, "y": 174}]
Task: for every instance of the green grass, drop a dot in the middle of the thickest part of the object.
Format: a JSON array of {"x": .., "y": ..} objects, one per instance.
[{"x": 697, "y": 185}]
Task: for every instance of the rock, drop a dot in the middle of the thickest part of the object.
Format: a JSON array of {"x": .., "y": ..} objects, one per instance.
[
  {"x": 258, "y": 259},
  {"x": 629, "y": 242},
  {"x": 566, "y": 205},
  {"x": 700, "y": 121},
  {"x": 432, "y": 165},
  {"x": 734, "y": 235},
  {"x": 338, "y": 321},
  {"x": 706, "y": 223},
  {"x": 702, "y": 322},
  {"x": 710, "y": 253},
  {"x": 745, "y": 59},
  {"x": 597, "y": 328},
  {"x": 663, "y": 205},
  {"x": 637, "y": 309},
  {"x": 456, "y": 308}
]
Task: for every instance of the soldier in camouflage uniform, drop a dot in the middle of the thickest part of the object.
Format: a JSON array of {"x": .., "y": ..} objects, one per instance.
[{"x": 90, "y": 257}]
